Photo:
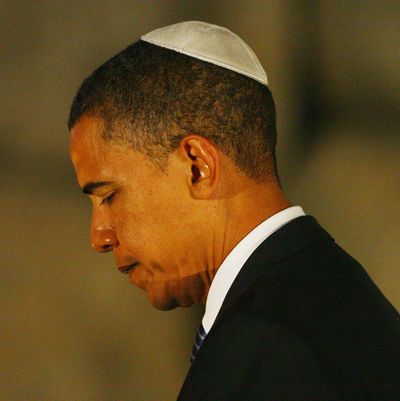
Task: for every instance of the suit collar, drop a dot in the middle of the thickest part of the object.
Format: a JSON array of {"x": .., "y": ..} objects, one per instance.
[
  {"x": 298, "y": 234},
  {"x": 236, "y": 259}
]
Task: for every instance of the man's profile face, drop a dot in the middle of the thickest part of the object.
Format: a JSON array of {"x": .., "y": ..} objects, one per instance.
[{"x": 142, "y": 215}]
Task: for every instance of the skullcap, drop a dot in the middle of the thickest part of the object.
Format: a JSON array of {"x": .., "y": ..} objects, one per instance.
[{"x": 211, "y": 43}]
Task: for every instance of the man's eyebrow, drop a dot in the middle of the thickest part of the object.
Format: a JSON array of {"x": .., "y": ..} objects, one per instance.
[{"x": 91, "y": 186}]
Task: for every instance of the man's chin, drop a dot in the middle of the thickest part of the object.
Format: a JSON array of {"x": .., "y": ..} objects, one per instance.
[
  {"x": 165, "y": 302},
  {"x": 162, "y": 303},
  {"x": 183, "y": 292}
]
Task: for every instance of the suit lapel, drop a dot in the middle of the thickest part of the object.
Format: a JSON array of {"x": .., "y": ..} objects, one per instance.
[{"x": 298, "y": 234}]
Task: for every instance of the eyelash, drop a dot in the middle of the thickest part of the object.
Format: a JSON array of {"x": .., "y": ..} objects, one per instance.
[{"x": 108, "y": 199}]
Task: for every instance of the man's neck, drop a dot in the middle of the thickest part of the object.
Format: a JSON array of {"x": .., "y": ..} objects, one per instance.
[{"x": 241, "y": 214}]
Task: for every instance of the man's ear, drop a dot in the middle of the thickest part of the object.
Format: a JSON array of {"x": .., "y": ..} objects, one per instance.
[{"x": 202, "y": 162}]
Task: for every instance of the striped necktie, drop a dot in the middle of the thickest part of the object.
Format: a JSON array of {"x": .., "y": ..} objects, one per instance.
[{"x": 200, "y": 336}]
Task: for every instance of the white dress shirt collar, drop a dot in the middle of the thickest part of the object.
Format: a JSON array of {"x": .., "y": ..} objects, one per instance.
[{"x": 232, "y": 264}]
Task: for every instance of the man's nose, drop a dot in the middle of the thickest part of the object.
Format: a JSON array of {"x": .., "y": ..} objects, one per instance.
[
  {"x": 102, "y": 232},
  {"x": 103, "y": 239}
]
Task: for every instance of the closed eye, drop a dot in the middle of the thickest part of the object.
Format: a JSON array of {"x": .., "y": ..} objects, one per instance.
[{"x": 108, "y": 199}]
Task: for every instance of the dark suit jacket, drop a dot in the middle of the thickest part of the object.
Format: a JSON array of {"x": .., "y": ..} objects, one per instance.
[{"x": 301, "y": 322}]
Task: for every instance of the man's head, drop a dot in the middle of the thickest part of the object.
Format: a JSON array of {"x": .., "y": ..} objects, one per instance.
[{"x": 165, "y": 144}]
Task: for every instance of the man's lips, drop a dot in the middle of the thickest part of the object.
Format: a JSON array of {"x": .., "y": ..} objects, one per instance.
[{"x": 125, "y": 269}]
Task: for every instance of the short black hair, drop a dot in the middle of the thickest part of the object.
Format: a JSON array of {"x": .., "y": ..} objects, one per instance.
[{"x": 150, "y": 98}]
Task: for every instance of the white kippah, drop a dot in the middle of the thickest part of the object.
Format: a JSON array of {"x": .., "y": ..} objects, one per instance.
[{"x": 211, "y": 43}]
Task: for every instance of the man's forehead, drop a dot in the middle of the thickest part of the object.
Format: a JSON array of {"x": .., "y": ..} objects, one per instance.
[
  {"x": 96, "y": 159},
  {"x": 86, "y": 129},
  {"x": 88, "y": 151},
  {"x": 87, "y": 137},
  {"x": 86, "y": 140}
]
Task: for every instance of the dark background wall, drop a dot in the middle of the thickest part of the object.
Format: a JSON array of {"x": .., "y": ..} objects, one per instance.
[{"x": 71, "y": 328}]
